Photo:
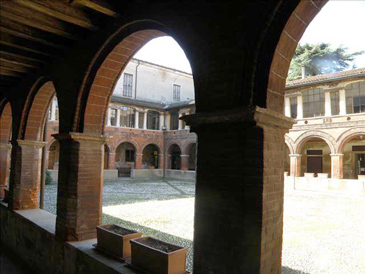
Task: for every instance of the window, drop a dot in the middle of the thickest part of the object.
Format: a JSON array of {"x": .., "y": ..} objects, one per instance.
[
  {"x": 176, "y": 92},
  {"x": 127, "y": 117},
  {"x": 127, "y": 85},
  {"x": 355, "y": 97},
  {"x": 174, "y": 122},
  {"x": 153, "y": 120},
  {"x": 113, "y": 117},
  {"x": 293, "y": 107},
  {"x": 140, "y": 119},
  {"x": 129, "y": 155},
  {"x": 335, "y": 103},
  {"x": 313, "y": 102}
]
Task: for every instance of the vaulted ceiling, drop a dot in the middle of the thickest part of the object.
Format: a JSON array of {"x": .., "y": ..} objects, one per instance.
[{"x": 33, "y": 33}]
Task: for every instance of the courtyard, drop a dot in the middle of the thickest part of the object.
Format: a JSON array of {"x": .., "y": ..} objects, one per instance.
[{"x": 322, "y": 233}]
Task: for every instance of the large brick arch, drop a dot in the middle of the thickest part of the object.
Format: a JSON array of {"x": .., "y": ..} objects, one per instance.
[
  {"x": 105, "y": 70},
  {"x": 347, "y": 136},
  {"x": 290, "y": 36},
  {"x": 151, "y": 142},
  {"x": 35, "y": 112},
  {"x": 5, "y": 122},
  {"x": 186, "y": 147},
  {"x": 134, "y": 144},
  {"x": 174, "y": 142},
  {"x": 302, "y": 139}
]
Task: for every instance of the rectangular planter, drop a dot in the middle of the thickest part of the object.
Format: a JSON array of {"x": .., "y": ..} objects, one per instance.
[
  {"x": 158, "y": 257},
  {"x": 309, "y": 175},
  {"x": 115, "y": 240},
  {"x": 322, "y": 175}
]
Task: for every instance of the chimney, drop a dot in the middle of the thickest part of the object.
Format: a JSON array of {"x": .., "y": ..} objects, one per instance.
[{"x": 303, "y": 72}]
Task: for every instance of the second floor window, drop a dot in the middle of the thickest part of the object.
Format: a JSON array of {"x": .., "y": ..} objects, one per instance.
[
  {"x": 176, "y": 92},
  {"x": 113, "y": 117},
  {"x": 355, "y": 97},
  {"x": 174, "y": 122},
  {"x": 335, "y": 103},
  {"x": 313, "y": 102},
  {"x": 127, "y": 85},
  {"x": 153, "y": 119},
  {"x": 127, "y": 117},
  {"x": 293, "y": 107}
]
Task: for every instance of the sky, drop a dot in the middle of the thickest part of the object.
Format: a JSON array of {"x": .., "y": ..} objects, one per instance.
[{"x": 338, "y": 23}]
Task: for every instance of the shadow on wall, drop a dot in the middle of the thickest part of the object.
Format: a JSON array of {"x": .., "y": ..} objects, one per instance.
[{"x": 288, "y": 270}]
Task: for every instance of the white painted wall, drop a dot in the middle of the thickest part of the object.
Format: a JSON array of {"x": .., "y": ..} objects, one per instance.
[{"x": 155, "y": 83}]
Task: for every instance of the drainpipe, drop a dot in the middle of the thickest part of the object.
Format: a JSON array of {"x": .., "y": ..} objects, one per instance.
[
  {"x": 303, "y": 72},
  {"x": 135, "y": 80}
]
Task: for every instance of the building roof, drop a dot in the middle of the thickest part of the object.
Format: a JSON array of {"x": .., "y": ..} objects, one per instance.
[
  {"x": 326, "y": 77},
  {"x": 149, "y": 104}
]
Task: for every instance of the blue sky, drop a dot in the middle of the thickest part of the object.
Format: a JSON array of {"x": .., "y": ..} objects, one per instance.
[{"x": 338, "y": 23}]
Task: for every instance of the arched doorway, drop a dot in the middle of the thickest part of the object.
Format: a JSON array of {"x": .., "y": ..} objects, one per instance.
[
  {"x": 125, "y": 159},
  {"x": 352, "y": 150},
  {"x": 150, "y": 158},
  {"x": 175, "y": 157}
]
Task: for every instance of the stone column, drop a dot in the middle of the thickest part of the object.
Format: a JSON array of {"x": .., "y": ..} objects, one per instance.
[
  {"x": 145, "y": 120},
  {"x": 287, "y": 106},
  {"x": 300, "y": 107},
  {"x": 295, "y": 164},
  {"x": 80, "y": 186},
  {"x": 136, "y": 119},
  {"x": 162, "y": 122},
  {"x": 108, "y": 118},
  {"x": 327, "y": 104},
  {"x": 161, "y": 161},
  {"x": 5, "y": 150},
  {"x": 184, "y": 162},
  {"x": 336, "y": 166},
  {"x": 168, "y": 119},
  {"x": 168, "y": 162},
  {"x": 25, "y": 174},
  {"x": 342, "y": 94},
  {"x": 139, "y": 158},
  {"x": 53, "y": 110},
  {"x": 118, "y": 117},
  {"x": 111, "y": 163},
  {"x": 239, "y": 181}
]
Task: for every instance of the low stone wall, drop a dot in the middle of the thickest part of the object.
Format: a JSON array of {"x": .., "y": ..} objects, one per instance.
[
  {"x": 109, "y": 174},
  {"x": 340, "y": 186},
  {"x": 158, "y": 173},
  {"x": 30, "y": 234}
]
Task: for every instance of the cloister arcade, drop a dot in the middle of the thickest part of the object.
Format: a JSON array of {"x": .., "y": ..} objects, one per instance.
[{"x": 239, "y": 104}]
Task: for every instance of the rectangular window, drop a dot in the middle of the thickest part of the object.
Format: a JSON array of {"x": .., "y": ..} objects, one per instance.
[
  {"x": 293, "y": 107},
  {"x": 113, "y": 117},
  {"x": 174, "y": 120},
  {"x": 355, "y": 97},
  {"x": 313, "y": 102},
  {"x": 176, "y": 92},
  {"x": 127, "y": 117},
  {"x": 153, "y": 118},
  {"x": 140, "y": 120},
  {"x": 129, "y": 155},
  {"x": 127, "y": 85},
  {"x": 335, "y": 103}
]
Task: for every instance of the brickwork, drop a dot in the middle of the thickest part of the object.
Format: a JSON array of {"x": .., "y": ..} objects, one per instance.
[
  {"x": 80, "y": 183},
  {"x": 5, "y": 147}
]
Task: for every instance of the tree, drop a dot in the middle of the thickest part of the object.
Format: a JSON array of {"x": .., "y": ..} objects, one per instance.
[{"x": 320, "y": 59}]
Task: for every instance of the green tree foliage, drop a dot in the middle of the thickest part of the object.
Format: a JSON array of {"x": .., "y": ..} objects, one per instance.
[
  {"x": 320, "y": 59},
  {"x": 48, "y": 178}
]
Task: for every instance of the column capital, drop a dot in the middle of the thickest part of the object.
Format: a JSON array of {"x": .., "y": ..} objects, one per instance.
[
  {"x": 254, "y": 115},
  {"x": 295, "y": 155},
  {"x": 79, "y": 136},
  {"x": 39, "y": 144},
  {"x": 183, "y": 155},
  {"x": 336, "y": 154}
]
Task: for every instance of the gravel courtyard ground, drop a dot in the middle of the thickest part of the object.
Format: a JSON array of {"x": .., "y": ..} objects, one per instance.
[{"x": 322, "y": 233}]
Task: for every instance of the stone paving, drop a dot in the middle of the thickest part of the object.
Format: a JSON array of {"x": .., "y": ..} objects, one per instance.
[{"x": 322, "y": 233}]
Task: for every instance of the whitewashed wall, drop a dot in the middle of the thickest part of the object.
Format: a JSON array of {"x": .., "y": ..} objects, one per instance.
[{"x": 155, "y": 83}]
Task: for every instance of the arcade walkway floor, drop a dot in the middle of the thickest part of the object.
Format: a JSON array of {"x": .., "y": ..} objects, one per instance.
[{"x": 322, "y": 233}]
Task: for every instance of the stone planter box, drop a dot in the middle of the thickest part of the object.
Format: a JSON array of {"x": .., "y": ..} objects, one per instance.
[
  {"x": 322, "y": 175},
  {"x": 115, "y": 240},
  {"x": 157, "y": 257},
  {"x": 309, "y": 175}
]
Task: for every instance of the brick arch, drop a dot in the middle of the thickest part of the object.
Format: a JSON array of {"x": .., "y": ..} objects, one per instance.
[
  {"x": 149, "y": 142},
  {"x": 302, "y": 139},
  {"x": 105, "y": 70},
  {"x": 132, "y": 142},
  {"x": 35, "y": 112},
  {"x": 290, "y": 36},
  {"x": 290, "y": 143},
  {"x": 347, "y": 136},
  {"x": 5, "y": 122},
  {"x": 186, "y": 148},
  {"x": 174, "y": 142}
]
